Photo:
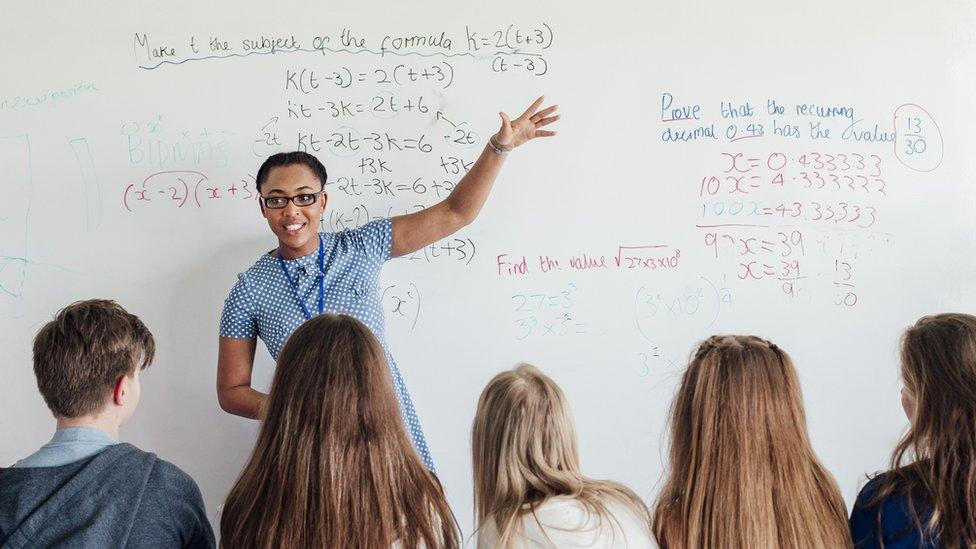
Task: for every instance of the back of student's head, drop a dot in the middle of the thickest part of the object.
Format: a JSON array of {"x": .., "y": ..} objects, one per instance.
[
  {"x": 333, "y": 465},
  {"x": 79, "y": 356},
  {"x": 524, "y": 451},
  {"x": 742, "y": 471},
  {"x": 934, "y": 464}
]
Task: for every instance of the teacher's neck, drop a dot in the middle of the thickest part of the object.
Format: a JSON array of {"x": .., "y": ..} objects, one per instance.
[{"x": 294, "y": 253}]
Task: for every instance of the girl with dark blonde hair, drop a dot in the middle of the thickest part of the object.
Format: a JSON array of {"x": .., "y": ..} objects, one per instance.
[
  {"x": 928, "y": 497},
  {"x": 743, "y": 474},
  {"x": 333, "y": 465},
  {"x": 529, "y": 490}
]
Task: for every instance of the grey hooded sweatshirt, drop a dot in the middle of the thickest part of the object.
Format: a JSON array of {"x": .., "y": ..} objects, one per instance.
[{"x": 121, "y": 497}]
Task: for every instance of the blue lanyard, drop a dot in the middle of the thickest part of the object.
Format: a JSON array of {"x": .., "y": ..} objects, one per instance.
[{"x": 294, "y": 285}]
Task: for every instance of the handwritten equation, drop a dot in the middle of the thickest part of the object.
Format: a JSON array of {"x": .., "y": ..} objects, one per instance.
[
  {"x": 401, "y": 304},
  {"x": 509, "y": 48},
  {"x": 656, "y": 310},
  {"x": 544, "y": 314},
  {"x": 759, "y": 211},
  {"x": 624, "y": 258},
  {"x": 912, "y": 133},
  {"x": 179, "y": 189}
]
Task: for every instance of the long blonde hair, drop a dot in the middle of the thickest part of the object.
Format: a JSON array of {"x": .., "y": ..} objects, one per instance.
[
  {"x": 742, "y": 471},
  {"x": 934, "y": 464},
  {"x": 523, "y": 445},
  {"x": 332, "y": 465}
]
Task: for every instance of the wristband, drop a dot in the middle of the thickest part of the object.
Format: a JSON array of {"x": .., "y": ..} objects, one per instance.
[{"x": 495, "y": 148}]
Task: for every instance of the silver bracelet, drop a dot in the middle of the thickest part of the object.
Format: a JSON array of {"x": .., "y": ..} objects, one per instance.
[{"x": 495, "y": 148}]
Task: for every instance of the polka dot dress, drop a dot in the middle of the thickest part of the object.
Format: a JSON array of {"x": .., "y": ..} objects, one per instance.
[{"x": 262, "y": 302}]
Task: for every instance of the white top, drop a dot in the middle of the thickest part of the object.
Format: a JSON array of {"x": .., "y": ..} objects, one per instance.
[{"x": 564, "y": 522}]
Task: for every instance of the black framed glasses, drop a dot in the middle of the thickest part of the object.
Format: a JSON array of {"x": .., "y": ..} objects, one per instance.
[{"x": 300, "y": 200}]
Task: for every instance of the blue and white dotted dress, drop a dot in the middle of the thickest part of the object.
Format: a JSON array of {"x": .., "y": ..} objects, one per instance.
[{"x": 262, "y": 302}]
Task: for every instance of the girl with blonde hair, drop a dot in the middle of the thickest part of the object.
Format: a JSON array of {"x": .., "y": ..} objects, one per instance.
[
  {"x": 928, "y": 497},
  {"x": 743, "y": 474},
  {"x": 529, "y": 490},
  {"x": 333, "y": 465}
]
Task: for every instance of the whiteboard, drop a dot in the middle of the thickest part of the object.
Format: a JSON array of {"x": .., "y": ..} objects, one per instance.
[{"x": 803, "y": 174}]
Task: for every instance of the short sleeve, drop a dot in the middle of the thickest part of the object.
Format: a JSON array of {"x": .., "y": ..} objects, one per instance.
[
  {"x": 238, "y": 319},
  {"x": 375, "y": 239}
]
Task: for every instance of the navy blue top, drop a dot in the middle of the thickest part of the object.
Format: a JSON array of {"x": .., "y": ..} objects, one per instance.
[{"x": 898, "y": 530}]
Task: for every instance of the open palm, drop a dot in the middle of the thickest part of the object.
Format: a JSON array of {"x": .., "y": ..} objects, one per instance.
[{"x": 527, "y": 126}]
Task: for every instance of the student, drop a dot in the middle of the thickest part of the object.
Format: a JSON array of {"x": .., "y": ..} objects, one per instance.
[
  {"x": 742, "y": 472},
  {"x": 528, "y": 487},
  {"x": 928, "y": 497},
  {"x": 333, "y": 465},
  {"x": 311, "y": 272},
  {"x": 84, "y": 488}
]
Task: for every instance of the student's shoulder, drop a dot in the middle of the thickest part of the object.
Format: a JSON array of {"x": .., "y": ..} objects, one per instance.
[
  {"x": 558, "y": 513},
  {"x": 174, "y": 494},
  {"x": 487, "y": 535},
  {"x": 893, "y": 512},
  {"x": 568, "y": 522},
  {"x": 169, "y": 479},
  {"x": 870, "y": 490},
  {"x": 13, "y": 480},
  {"x": 894, "y": 503},
  {"x": 162, "y": 474},
  {"x": 572, "y": 508},
  {"x": 559, "y": 507}
]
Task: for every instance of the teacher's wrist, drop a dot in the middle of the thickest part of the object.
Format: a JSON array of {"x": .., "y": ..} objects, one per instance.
[{"x": 496, "y": 148}]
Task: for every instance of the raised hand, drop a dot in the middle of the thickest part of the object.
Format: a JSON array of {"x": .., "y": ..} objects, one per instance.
[{"x": 526, "y": 127}]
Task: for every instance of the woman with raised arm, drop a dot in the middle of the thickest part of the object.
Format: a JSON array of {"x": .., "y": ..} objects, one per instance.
[{"x": 311, "y": 272}]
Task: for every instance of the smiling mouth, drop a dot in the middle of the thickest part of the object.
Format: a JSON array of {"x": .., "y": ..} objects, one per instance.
[{"x": 293, "y": 228}]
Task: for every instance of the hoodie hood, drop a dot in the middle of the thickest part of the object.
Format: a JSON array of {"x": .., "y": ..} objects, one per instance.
[{"x": 89, "y": 503}]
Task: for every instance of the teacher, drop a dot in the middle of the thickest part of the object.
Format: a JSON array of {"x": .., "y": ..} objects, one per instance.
[{"x": 313, "y": 272}]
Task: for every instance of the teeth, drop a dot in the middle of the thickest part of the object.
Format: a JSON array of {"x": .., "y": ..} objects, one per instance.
[{"x": 294, "y": 227}]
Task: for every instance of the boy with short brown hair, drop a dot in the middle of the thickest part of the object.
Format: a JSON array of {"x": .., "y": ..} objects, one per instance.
[{"x": 84, "y": 488}]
